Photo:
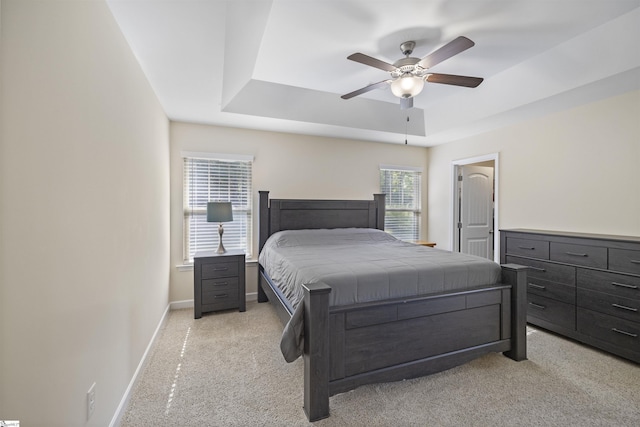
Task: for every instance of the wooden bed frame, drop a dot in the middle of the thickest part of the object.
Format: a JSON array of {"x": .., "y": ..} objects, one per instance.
[{"x": 349, "y": 346}]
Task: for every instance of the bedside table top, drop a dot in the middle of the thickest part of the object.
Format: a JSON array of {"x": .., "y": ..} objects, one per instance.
[{"x": 212, "y": 253}]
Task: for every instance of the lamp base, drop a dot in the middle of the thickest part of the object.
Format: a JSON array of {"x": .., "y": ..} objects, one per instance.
[{"x": 221, "y": 248}]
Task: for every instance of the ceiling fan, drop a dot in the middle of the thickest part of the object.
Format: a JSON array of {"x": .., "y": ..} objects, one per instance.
[{"x": 409, "y": 74}]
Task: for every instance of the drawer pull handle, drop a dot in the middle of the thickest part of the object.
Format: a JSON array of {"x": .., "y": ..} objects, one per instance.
[
  {"x": 538, "y": 306},
  {"x": 221, "y": 296},
  {"x": 537, "y": 268},
  {"x": 221, "y": 284},
  {"x": 220, "y": 268},
  {"x": 635, "y": 261},
  {"x": 527, "y": 247},
  {"x": 629, "y": 334},
  {"x": 533, "y": 285},
  {"x": 624, "y": 285},
  {"x": 624, "y": 307},
  {"x": 576, "y": 254}
]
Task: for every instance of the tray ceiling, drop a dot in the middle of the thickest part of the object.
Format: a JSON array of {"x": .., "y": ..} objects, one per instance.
[{"x": 281, "y": 65}]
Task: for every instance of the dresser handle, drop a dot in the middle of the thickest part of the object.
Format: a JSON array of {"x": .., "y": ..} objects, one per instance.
[
  {"x": 624, "y": 285},
  {"x": 576, "y": 254},
  {"x": 220, "y": 283},
  {"x": 220, "y": 296},
  {"x": 537, "y": 268},
  {"x": 220, "y": 268},
  {"x": 629, "y": 334},
  {"x": 624, "y": 307},
  {"x": 533, "y": 285},
  {"x": 635, "y": 261},
  {"x": 538, "y": 306},
  {"x": 526, "y": 247}
]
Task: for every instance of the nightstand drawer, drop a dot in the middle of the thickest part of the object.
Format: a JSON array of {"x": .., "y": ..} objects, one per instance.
[
  {"x": 590, "y": 256},
  {"x": 611, "y": 329},
  {"x": 612, "y": 305},
  {"x": 220, "y": 284},
  {"x": 219, "y": 269},
  {"x": 229, "y": 297},
  {"x": 556, "y": 312},
  {"x": 528, "y": 248},
  {"x": 611, "y": 283},
  {"x": 624, "y": 260}
]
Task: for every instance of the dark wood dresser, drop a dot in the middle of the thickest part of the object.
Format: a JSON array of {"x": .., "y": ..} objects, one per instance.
[
  {"x": 218, "y": 281},
  {"x": 583, "y": 286}
]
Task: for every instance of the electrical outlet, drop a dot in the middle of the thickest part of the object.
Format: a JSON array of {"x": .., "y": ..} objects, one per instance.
[{"x": 91, "y": 400}]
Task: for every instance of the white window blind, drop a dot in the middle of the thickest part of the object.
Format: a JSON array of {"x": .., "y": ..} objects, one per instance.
[
  {"x": 216, "y": 180},
  {"x": 402, "y": 187}
]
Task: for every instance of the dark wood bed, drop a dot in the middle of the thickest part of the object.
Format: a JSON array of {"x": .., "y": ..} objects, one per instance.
[{"x": 349, "y": 346}]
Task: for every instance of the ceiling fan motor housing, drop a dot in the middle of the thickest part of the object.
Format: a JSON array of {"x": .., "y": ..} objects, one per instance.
[{"x": 406, "y": 65}]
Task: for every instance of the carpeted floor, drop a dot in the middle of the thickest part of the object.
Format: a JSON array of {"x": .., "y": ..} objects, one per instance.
[{"x": 226, "y": 369}]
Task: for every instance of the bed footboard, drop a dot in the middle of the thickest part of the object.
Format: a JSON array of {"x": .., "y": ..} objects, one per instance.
[{"x": 347, "y": 347}]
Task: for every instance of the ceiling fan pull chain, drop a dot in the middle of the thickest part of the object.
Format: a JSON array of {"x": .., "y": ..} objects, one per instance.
[{"x": 406, "y": 127}]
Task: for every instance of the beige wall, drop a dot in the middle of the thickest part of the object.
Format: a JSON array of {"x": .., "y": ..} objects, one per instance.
[
  {"x": 84, "y": 214},
  {"x": 287, "y": 165},
  {"x": 571, "y": 171}
]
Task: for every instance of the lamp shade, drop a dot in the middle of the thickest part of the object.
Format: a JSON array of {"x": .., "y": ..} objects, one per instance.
[
  {"x": 219, "y": 212},
  {"x": 407, "y": 86}
]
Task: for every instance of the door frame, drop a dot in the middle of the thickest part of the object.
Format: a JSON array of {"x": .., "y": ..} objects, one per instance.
[{"x": 454, "y": 199}]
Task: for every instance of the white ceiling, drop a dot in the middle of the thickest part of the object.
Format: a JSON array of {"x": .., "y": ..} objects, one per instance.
[{"x": 281, "y": 65}]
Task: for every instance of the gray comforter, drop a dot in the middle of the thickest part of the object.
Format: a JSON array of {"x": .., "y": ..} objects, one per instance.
[{"x": 363, "y": 265}]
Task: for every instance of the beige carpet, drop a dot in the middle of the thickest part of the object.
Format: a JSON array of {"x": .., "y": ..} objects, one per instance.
[{"x": 226, "y": 369}]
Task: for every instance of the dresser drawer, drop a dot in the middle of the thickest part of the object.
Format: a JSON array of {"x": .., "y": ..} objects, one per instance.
[
  {"x": 611, "y": 283},
  {"x": 219, "y": 269},
  {"x": 550, "y": 310},
  {"x": 546, "y": 271},
  {"x": 551, "y": 290},
  {"x": 624, "y": 260},
  {"x": 616, "y": 331},
  {"x": 528, "y": 248},
  {"x": 613, "y": 305},
  {"x": 590, "y": 256}
]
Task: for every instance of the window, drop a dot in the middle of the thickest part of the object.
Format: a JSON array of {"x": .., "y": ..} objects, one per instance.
[
  {"x": 216, "y": 178},
  {"x": 402, "y": 185}
]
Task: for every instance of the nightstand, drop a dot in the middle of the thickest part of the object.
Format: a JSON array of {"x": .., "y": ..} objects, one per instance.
[{"x": 218, "y": 281}]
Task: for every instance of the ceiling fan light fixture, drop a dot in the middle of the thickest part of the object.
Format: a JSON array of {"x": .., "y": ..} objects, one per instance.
[{"x": 407, "y": 86}]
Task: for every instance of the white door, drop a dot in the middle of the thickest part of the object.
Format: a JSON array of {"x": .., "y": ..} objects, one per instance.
[{"x": 476, "y": 210}]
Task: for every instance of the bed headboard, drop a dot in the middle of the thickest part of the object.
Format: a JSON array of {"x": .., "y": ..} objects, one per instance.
[{"x": 296, "y": 214}]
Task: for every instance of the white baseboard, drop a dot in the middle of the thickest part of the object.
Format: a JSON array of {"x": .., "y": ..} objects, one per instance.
[
  {"x": 117, "y": 417},
  {"x": 177, "y": 305}
]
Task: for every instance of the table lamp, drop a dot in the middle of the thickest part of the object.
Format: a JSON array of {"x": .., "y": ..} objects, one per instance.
[{"x": 219, "y": 212}]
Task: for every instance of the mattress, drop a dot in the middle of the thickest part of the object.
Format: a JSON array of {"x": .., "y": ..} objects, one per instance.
[{"x": 363, "y": 265}]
